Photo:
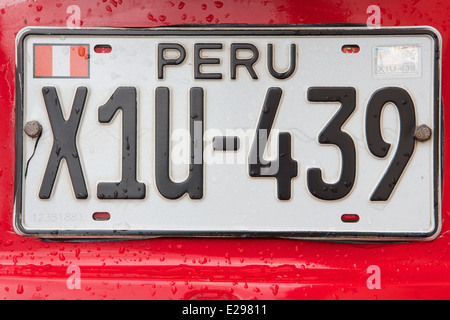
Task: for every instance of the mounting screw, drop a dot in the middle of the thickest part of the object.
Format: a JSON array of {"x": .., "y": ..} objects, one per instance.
[
  {"x": 422, "y": 133},
  {"x": 33, "y": 129}
]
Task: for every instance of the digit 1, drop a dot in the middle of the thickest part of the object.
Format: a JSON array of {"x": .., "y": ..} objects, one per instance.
[
  {"x": 124, "y": 99},
  {"x": 332, "y": 134},
  {"x": 379, "y": 148},
  {"x": 284, "y": 168}
]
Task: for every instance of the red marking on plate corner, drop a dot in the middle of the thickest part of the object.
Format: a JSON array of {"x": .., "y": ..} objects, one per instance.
[
  {"x": 101, "y": 216},
  {"x": 103, "y": 48},
  {"x": 350, "y": 48},
  {"x": 350, "y": 218}
]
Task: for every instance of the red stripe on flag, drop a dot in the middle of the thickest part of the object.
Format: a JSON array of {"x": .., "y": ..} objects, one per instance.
[
  {"x": 79, "y": 61},
  {"x": 43, "y": 65}
]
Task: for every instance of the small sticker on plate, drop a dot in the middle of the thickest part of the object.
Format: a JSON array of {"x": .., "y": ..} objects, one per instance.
[{"x": 397, "y": 60}]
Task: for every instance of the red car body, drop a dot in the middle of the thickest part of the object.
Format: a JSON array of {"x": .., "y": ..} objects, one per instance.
[{"x": 204, "y": 268}]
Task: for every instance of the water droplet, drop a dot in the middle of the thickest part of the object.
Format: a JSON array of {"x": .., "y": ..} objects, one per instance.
[
  {"x": 20, "y": 289},
  {"x": 274, "y": 289},
  {"x": 174, "y": 289},
  {"x": 39, "y": 8},
  {"x": 8, "y": 243},
  {"x": 81, "y": 51},
  {"x": 218, "y": 4}
]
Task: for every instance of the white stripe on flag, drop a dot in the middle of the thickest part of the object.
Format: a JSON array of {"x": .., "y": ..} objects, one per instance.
[{"x": 61, "y": 61}]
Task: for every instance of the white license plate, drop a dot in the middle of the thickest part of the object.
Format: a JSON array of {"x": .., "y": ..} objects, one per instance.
[{"x": 322, "y": 133}]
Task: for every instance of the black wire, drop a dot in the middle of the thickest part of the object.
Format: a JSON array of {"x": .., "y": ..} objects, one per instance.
[{"x": 35, "y": 146}]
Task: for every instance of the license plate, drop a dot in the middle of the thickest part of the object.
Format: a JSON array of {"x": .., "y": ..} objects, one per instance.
[{"x": 319, "y": 133}]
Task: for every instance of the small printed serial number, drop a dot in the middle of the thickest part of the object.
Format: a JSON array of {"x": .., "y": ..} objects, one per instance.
[{"x": 47, "y": 217}]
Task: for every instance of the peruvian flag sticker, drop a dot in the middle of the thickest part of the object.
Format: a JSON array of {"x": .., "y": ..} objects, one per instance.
[{"x": 61, "y": 61}]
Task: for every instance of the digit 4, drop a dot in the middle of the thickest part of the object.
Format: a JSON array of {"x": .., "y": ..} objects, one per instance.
[{"x": 283, "y": 168}]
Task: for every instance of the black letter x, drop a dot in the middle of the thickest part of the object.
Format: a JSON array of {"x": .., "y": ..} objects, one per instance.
[{"x": 64, "y": 143}]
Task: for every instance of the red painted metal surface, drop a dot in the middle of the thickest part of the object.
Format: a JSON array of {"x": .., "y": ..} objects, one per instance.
[{"x": 213, "y": 268}]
